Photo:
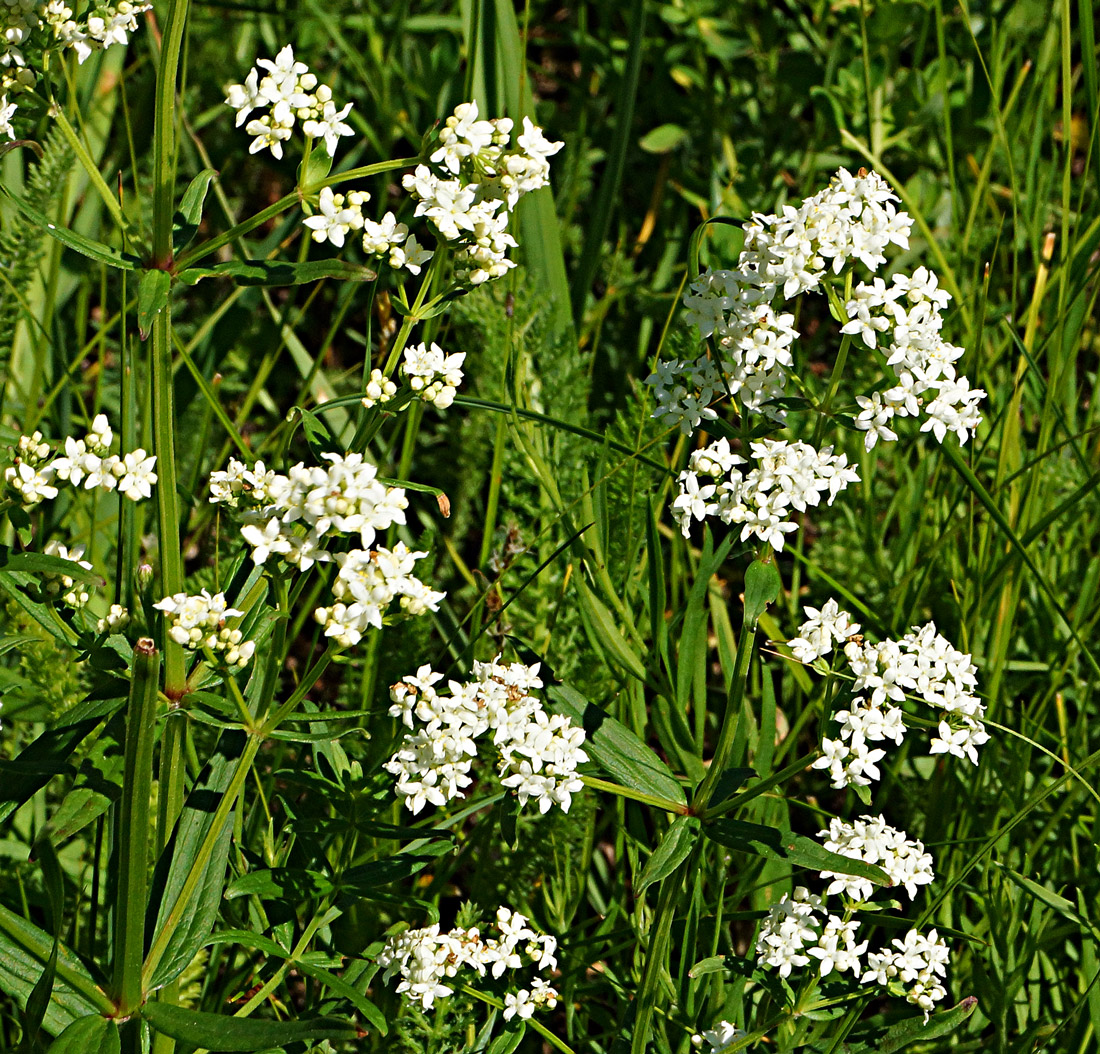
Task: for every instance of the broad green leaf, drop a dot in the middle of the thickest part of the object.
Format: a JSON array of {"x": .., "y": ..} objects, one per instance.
[
  {"x": 671, "y": 852},
  {"x": 41, "y": 564},
  {"x": 223, "y": 1033},
  {"x": 663, "y": 139},
  {"x": 153, "y": 291},
  {"x": 796, "y": 849},
  {"x": 88, "y": 1035},
  {"x": 185, "y": 224},
  {"x": 200, "y": 914},
  {"x": 762, "y": 586},
  {"x": 85, "y": 246},
  {"x": 278, "y": 272},
  {"x": 620, "y": 753}
]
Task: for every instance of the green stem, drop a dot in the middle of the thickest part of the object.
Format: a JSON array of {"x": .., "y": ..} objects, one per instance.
[
  {"x": 308, "y": 681},
  {"x": 132, "y": 830},
  {"x": 734, "y": 702},
  {"x": 284, "y": 203},
  {"x": 628, "y": 792},
  {"x": 91, "y": 169}
]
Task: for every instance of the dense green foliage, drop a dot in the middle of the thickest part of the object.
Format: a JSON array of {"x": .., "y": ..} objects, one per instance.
[{"x": 558, "y": 547}]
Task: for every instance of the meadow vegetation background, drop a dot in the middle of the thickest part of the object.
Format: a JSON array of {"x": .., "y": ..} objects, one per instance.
[{"x": 559, "y": 547}]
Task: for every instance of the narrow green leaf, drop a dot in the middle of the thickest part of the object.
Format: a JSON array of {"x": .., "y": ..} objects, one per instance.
[
  {"x": 620, "y": 753},
  {"x": 762, "y": 586},
  {"x": 41, "y": 564},
  {"x": 87, "y": 1035},
  {"x": 153, "y": 290},
  {"x": 339, "y": 987},
  {"x": 713, "y": 964},
  {"x": 602, "y": 624},
  {"x": 231, "y": 1034},
  {"x": 195, "y": 921},
  {"x": 185, "y": 224},
  {"x": 916, "y": 1028},
  {"x": 290, "y": 884},
  {"x": 279, "y": 272},
  {"x": 315, "y": 170},
  {"x": 85, "y": 246},
  {"x": 670, "y": 853},
  {"x": 796, "y": 849},
  {"x": 506, "y": 1042}
]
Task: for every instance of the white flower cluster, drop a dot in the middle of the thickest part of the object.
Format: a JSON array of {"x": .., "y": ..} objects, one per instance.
[
  {"x": 873, "y": 841},
  {"x": 289, "y": 93},
  {"x": 473, "y": 181},
  {"x": 33, "y": 477},
  {"x": 339, "y": 214},
  {"x": 923, "y": 663},
  {"x": 538, "y": 753},
  {"x": 909, "y": 313},
  {"x": 115, "y": 621},
  {"x": 432, "y": 375},
  {"x": 785, "y": 478},
  {"x": 426, "y": 959},
  {"x": 787, "y": 254},
  {"x": 344, "y": 497},
  {"x": 719, "y": 1037},
  {"x": 30, "y": 27},
  {"x": 198, "y": 622},
  {"x": 63, "y": 587},
  {"x": 799, "y": 929},
  {"x": 918, "y": 963},
  {"x": 367, "y": 582}
]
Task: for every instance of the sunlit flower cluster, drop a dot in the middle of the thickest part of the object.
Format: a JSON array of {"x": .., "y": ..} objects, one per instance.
[
  {"x": 873, "y": 841},
  {"x": 800, "y": 931},
  {"x": 199, "y": 623},
  {"x": 923, "y": 664},
  {"x": 28, "y": 28},
  {"x": 785, "y": 478},
  {"x": 33, "y": 476},
  {"x": 366, "y": 584},
  {"x": 433, "y": 375},
  {"x": 427, "y": 960},
  {"x": 283, "y": 95},
  {"x": 537, "y": 753},
  {"x": 853, "y": 220},
  {"x": 465, "y": 189},
  {"x": 293, "y": 516}
]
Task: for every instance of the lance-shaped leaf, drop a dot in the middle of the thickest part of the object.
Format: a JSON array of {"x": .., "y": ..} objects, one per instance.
[
  {"x": 912, "y": 1030},
  {"x": 91, "y": 1033},
  {"x": 153, "y": 290},
  {"x": 49, "y": 754},
  {"x": 620, "y": 753},
  {"x": 671, "y": 852},
  {"x": 185, "y": 223},
  {"x": 279, "y": 272},
  {"x": 195, "y": 920},
  {"x": 85, "y": 246},
  {"x": 223, "y": 1033},
  {"x": 796, "y": 849},
  {"x": 42, "y": 564}
]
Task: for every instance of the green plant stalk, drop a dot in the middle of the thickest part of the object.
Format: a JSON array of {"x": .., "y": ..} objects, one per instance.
[
  {"x": 657, "y": 952},
  {"x": 132, "y": 830},
  {"x": 734, "y": 701},
  {"x": 634, "y": 795},
  {"x": 91, "y": 169}
]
